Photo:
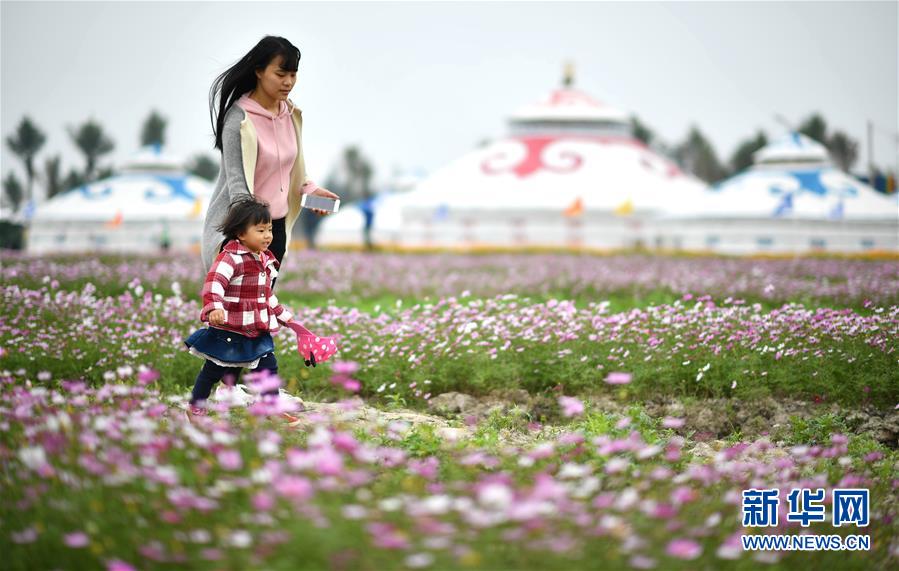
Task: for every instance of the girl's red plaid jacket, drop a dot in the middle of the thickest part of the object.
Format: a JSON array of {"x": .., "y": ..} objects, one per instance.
[{"x": 240, "y": 283}]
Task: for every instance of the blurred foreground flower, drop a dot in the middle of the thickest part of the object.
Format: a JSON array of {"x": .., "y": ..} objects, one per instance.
[{"x": 571, "y": 406}]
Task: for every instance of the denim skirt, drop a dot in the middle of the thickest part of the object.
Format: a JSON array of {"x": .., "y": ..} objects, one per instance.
[{"x": 229, "y": 349}]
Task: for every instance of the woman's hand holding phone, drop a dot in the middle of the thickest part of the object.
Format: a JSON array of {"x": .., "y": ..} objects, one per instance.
[{"x": 323, "y": 192}]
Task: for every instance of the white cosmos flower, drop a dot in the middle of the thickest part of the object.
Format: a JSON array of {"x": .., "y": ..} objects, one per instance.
[
  {"x": 496, "y": 496},
  {"x": 33, "y": 456}
]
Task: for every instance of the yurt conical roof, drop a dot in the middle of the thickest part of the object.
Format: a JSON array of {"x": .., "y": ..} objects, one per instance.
[
  {"x": 793, "y": 177},
  {"x": 151, "y": 185},
  {"x": 569, "y": 147}
]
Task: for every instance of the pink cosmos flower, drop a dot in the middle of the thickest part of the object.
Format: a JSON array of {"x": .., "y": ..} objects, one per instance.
[
  {"x": 230, "y": 460},
  {"x": 345, "y": 367},
  {"x": 147, "y": 376},
  {"x": 263, "y": 382},
  {"x": 263, "y": 501},
  {"x": 294, "y": 487},
  {"x": 684, "y": 549},
  {"x": 618, "y": 378},
  {"x": 672, "y": 422},
  {"x": 76, "y": 539},
  {"x": 118, "y": 565},
  {"x": 28, "y": 535},
  {"x": 571, "y": 406},
  {"x": 642, "y": 562},
  {"x": 328, "y": 462}
]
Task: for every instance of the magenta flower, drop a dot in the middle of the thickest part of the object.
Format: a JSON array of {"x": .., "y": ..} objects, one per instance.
[
  {"x": 263, "y": 502},
  {"x": 147, "y": 376},
  {"x": 118, "y": 565},
  {"x": 230, "y": 460},
  {"x": 345, "y": 367},
  {"x": 263, "y": 382},
  {"x": 76, "y": 539},
  {"x": 571, "y": 406},
  {"x": 684, "y": 549},
  {"x": 672, "y": 422},
  {"x": 294, "y": 487},
  {"x": 618, "y": 378}
]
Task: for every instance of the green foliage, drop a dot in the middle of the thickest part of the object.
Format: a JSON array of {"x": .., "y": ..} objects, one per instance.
[
  {"x": 742, "y": 157},
  {"x": 153, "y": 130},
  {"x": 13, "y": 190},
  {"x": 93, "y": 143},
  {"x": 25, "y": 144},
  {"x": 204, "y": 166},
  {"x": 697, "y": 156}
]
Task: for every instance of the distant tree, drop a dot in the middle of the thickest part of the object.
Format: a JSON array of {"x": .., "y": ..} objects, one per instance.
[
  {"x": 53, "y": 176},
  {"x": 153, "y": 131},
  {"x": 642, "y": 131},
  {"x": 105, "y": 172},
  {"x": 742, "y": 157},
  {"x": 25, "y": 144},
  {"x": 697, "y": 156},
  {"x": 203, "y": 166},
  {"x": 93, "y": 143},
  {"x": 13, "y": 191},
  {"x": 815, "y": 127},
  {"x": 843, "y": 150},
  {"x": 73, "y": 180}
]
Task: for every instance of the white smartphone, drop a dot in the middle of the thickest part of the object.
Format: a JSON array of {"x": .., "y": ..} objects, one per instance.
[{"x": 320, "y": 202}]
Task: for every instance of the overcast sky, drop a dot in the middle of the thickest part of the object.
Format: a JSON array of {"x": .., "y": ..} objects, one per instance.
[{"x": 418, "y": 84}]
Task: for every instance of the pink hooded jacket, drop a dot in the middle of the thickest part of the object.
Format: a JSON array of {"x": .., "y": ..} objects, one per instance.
[{"x": 276, "y": 153}]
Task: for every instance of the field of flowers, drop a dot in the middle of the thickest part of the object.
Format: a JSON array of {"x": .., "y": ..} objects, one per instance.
[{"x": 648, "y": 392}]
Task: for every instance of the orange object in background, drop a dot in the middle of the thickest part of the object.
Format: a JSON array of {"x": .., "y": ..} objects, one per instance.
[
  {"x": 116, "y": 220},
  {"x": 576, "y": 208}
]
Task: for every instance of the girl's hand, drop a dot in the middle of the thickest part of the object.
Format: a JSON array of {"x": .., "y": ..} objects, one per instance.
[{"x": 216, "y": 317}]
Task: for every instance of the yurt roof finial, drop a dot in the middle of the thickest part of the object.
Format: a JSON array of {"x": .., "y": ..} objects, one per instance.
[
  {"x": 792, "y": 148},
  {"x": 568, "y": 75}
]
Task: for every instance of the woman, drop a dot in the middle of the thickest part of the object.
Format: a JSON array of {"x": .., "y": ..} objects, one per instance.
[{"x": 259, "y": 133}]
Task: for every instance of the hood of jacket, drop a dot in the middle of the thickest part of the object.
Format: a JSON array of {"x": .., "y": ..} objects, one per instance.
[{"x": 253, "y": 106}]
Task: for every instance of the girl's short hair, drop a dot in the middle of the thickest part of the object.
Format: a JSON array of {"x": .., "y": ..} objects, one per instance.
[{"x": 243, "y": 213}]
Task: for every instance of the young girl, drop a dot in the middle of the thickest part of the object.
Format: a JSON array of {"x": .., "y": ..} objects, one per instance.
[
  {"x": 238, "y": 303},
  {"x": 259, "y": 133}
]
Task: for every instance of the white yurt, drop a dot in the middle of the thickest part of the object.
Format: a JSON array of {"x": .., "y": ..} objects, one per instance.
[
  {"x": 151, "y": 203},
  {"x": 793, "y": 199},
  {"x": 569, "y": 172}
]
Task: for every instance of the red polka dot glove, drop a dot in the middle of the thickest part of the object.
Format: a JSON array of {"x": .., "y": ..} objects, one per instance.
[{"x": 313, "y": 348}]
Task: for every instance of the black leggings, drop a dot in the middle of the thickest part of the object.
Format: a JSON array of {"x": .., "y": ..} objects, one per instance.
[
  {"x": 279, "y": 242},
  {"x": 211, "y": 373}
]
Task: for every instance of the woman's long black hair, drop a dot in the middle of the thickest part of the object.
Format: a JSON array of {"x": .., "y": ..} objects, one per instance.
[{"x": 241, "y": 78}]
